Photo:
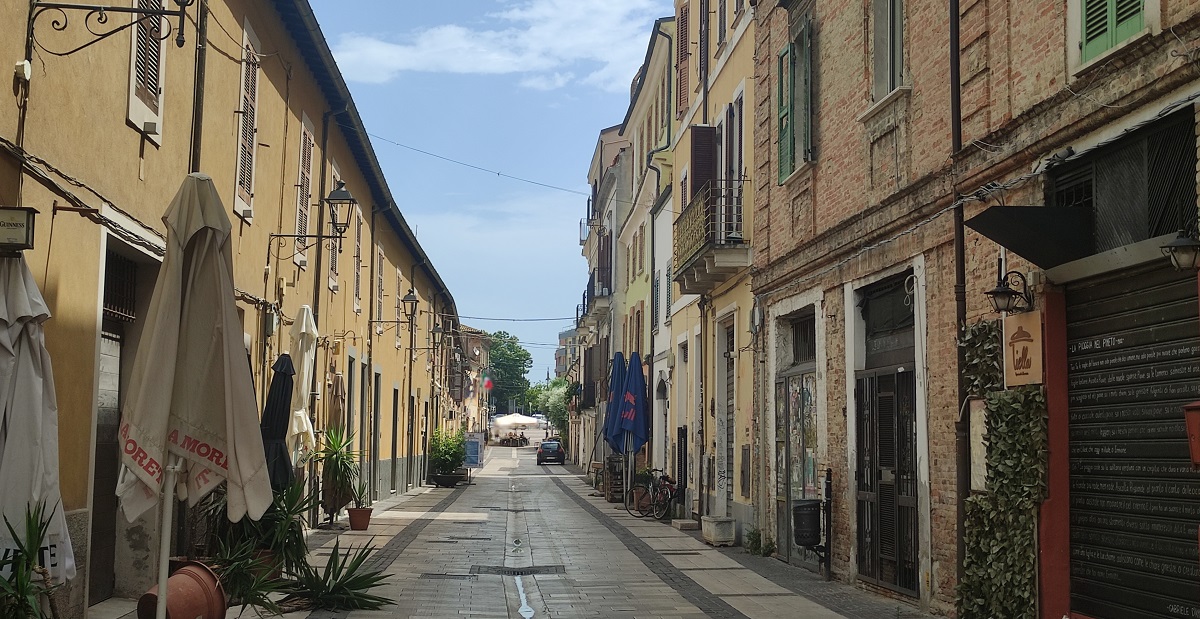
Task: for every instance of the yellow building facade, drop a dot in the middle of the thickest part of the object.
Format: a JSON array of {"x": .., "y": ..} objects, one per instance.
[{"x": 99, "y": 140}]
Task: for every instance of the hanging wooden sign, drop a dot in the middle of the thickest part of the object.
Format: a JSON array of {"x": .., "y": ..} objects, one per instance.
[{"x": 1023, "y": 349}]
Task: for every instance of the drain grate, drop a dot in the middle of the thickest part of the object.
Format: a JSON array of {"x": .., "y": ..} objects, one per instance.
[
  {"x": 472, "y": 539},
  {"x": 676, "y": 553},
  {"x": 517, "y": 571},
  {"x": 515, "y": 510},
  {"x": 449, "y": 576},
  {"x": 442, "y": 541}
]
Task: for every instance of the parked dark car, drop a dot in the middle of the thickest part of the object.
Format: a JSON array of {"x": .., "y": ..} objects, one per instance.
[{"x": 551, "y": 451}]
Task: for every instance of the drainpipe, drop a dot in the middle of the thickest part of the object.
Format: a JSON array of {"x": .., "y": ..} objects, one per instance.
[
  {"x": 198, "y": 84},
  {"x": 369, "y": 377},
  {"x": 409, "y": 456},
  {"x": 962, "y": 429},
  {"x": 702, "y": 443}
]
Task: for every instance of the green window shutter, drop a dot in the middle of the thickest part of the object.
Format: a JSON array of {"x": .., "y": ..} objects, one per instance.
[
  {"x": 786, "y": 98},
  {"x": 1109, "y": 22},
  {"x": 1128, "y": 15},
  {"x": 807, "y": 110}
]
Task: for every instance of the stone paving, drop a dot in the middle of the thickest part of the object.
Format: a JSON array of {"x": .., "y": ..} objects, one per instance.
[{"x": 527, "y": 541}]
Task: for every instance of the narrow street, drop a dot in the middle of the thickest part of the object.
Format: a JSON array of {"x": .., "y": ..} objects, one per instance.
[{"x": 531, "y": 541}]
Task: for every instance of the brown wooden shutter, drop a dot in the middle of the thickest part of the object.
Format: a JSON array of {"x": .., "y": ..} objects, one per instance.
[
  {"x": 247, "y": 134},
  {"x": 304, "y": 193},
  {"x": 681, "y": 61},
  {"x": 704, "y": 157},
  {"x": 148, "y": 58}
]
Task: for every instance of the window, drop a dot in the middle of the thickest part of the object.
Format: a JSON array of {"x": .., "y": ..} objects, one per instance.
[
  {"x": 304, "y": 189},
  {"x": 248, "y": 121},
  {"x": 722, "y": 21},
  {"x": 804, "y": 339},
  {"x": 1109, "y": 22},
  {"x": 887, "y": 48},
  {"x": 670, "y": 286},
  {"x": 655, "y": 307},
  {"x": 379, "y": 287},
  {"x": 794, "y": 110},
  {"x": 683, "y": 51},
  {"x": 146, "y": 71},
  {"x": 358, "y": 262},
  {"x": 703, "y": 40}
]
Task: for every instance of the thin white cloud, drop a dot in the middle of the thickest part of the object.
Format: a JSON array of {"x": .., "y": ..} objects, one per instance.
[{"x": 549, "y": 42}]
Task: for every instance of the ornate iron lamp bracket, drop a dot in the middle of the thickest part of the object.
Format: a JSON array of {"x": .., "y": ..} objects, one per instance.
[{"x": 95, "y": 20}]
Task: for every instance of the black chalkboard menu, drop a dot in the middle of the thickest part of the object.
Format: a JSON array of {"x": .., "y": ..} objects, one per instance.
[{"x": 1133, "y": 356}]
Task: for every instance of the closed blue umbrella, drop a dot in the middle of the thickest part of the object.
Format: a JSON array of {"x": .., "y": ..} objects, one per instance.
[
  {"x": 634, "y": 423},
  {"x": 277, "y": 412},
  {"x": 616, "y": 387}
]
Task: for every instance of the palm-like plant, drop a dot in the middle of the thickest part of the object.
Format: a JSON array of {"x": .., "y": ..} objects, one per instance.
[
  {"x": 342, "y": 584},
  {"x": 27, "y": 579},
  {"x": 339, "y": 469}
]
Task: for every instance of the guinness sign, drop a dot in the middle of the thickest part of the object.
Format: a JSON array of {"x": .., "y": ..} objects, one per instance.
[{"x": 16, "y": 229}]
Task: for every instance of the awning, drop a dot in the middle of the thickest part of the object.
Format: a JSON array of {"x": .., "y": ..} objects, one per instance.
[{"x": 1047, "y": 236}]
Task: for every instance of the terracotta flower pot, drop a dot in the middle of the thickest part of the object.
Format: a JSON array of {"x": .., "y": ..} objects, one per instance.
[
  {"x": 193, "y": 592},
  {"x": 360, "y": 518}
]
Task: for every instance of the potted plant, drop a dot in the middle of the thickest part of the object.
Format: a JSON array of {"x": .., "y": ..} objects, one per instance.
[
  {"x": 360, "y": 514},
  {"x": 447, "y": 452},
  {"x": 28, "y": 581},
  {"x": 339, "y": 470}
]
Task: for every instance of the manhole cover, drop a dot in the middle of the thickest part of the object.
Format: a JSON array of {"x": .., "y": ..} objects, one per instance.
[
  {"x": 449, "y": 576},
  {"x": 516, "y": 571}
]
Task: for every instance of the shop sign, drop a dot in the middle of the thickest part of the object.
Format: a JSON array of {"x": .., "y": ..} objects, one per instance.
[{"x": 1023, "y": 349}]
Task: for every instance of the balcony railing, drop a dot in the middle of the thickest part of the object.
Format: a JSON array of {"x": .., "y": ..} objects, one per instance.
[{"x": 712, "y": 218}]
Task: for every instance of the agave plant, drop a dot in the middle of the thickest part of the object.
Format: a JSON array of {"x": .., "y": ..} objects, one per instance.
[
  {"x": 342, "y": 584},
  {"x": 339, "y": 469}
]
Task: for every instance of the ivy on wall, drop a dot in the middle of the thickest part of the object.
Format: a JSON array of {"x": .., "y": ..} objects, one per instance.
[{"x": 1000, "y": 566}]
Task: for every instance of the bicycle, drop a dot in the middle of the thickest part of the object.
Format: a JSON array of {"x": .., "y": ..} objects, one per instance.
[
  {"x": 664, "y": 496},
  {"x": 640, "y": 497}
]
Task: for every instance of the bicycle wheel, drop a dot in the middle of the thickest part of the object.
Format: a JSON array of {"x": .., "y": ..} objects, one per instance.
[
  {"x": 662, "y": 503},
  {"x": 637, "y": 500}
]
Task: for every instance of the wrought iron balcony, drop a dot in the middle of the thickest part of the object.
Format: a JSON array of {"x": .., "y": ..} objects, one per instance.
[{"x": 710, "y": 245}]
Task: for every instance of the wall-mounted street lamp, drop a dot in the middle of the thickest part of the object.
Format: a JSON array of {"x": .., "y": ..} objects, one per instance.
[
  {"x": 1184, "y": 252},
  {"x": 95, "y": 20},
  {"x": 340, "y": 203},
  {"x": 1011, "y": 294}
]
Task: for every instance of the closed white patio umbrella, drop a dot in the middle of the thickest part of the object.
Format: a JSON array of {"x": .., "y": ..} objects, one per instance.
[
  {"x": 300, "y": 438},
  {"x": 191, "y": 396},
  {"x": 29, "y": 418}
]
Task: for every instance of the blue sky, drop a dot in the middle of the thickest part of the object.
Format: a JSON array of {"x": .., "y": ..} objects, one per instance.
[{"x": 519, "y": 87}]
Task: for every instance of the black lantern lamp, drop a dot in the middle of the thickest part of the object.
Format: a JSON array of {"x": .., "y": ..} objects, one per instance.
[
  {"x": 1184, "y": 252},
  {"x": 1011, "y": 294},
  {"x": 437, "y": 334},
  {"x": 338, "y": 198},
  {"x": 410, "y": 304}
]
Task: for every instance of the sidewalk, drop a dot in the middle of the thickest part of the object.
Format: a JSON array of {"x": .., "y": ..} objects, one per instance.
[{"x": 753, "y": 585}]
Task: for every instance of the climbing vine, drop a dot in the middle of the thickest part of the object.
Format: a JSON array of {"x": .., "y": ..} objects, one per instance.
[{"x": 1000, "y": 565}]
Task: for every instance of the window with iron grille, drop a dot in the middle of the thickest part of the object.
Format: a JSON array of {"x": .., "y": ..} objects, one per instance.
[
  {"x": 804, "y": 339},
  {"x": 120, "y": 288}
]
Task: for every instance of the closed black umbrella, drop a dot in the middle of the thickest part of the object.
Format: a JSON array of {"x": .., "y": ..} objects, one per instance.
[{"x": 276, "y": 413}]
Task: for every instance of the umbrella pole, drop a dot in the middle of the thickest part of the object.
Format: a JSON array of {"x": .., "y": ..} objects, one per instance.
[{"x": 164, "y": 546}]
